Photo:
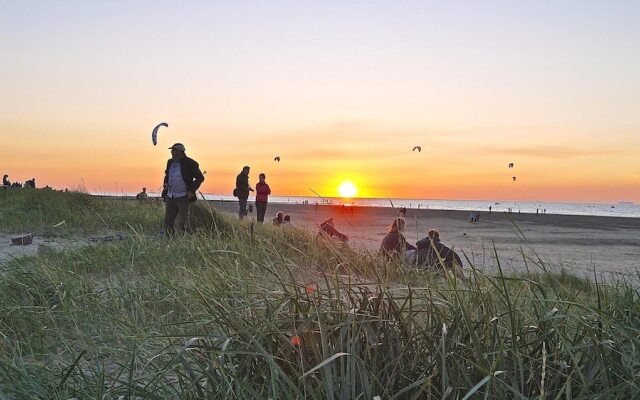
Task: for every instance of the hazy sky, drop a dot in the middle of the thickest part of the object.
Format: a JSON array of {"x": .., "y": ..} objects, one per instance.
[{"x": 341, "y": 90}]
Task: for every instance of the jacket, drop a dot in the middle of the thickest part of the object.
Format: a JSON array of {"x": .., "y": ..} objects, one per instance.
[
  {"x": 191, "y": 175},
  {"x": 394, "y": 244},
  {"x": 262, "y": 192},
  {"x": 429, "y": 256},
  {"x": 242, "y": 186}
]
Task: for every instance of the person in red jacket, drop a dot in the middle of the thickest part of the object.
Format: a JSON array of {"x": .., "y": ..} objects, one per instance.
[{"x": 262, "y": 197}]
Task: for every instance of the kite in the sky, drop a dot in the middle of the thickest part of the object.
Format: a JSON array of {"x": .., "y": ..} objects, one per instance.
[
  {"x": 514, "y": 178},
  {"x": 277, "y": 158},
  {"x": 510, "y": 165},
  {"x": 154, "y": 134},
  {"x": 417, "y": 148}
]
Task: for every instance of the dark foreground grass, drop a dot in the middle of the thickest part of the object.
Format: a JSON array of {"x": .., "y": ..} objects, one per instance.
[{"x": 231, "y": 312}]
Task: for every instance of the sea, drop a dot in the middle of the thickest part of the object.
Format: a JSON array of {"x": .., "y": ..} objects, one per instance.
[{"x": 619, "y": 209}]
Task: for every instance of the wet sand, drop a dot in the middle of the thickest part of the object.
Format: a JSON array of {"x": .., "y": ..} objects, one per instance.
[{"x": 580, "y": 244}]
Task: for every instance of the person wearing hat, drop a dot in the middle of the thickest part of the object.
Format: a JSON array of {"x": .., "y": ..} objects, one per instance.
[{"x": 182, "y": 178}]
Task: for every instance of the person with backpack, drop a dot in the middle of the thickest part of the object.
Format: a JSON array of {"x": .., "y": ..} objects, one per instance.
[{"x": 242, "y": 190}]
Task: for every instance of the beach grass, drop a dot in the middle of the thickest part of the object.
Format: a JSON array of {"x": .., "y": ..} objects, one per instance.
[{"x": 235, "y": 310}]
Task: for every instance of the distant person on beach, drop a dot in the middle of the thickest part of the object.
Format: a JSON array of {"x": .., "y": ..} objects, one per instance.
[
  {"x": 329, "y": 228},
  {"x": 31, "y": 183},
  {"x": 262, "y": 197},
  {"x": 5, "y": 181},
  {"x": 142, "y": 195},
  {"x": 489, "y": 210},
  {"x": 394, "y": 244},
  {"x": 182, "y": 178},
  {"x": 432, "y": 253},
  {"x": 279, "y": 219},
  {"x": 242, "y": 190}
]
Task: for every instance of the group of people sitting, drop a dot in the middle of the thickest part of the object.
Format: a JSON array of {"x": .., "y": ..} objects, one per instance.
[
  {"x": 282, "y": 219},
  {"x": 428, "y": 252},
  {"x": 31, "y": 183}
]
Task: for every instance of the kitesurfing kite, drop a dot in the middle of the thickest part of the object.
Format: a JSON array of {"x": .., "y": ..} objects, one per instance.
[
  {"x": 277, "y": 158},
  {"x": 510, "y": 165},
  {"x": 417, "y": 148},
  {"x": 514, "y": 178},
  {"x": 154, "y": 134}
]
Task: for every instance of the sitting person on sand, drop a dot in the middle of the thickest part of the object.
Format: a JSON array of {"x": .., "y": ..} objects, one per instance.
[
  {"x": 329, "y": 228},
  {"x": 5, "y": 181},
  {"x": 287, "y": 220},
  {"x": 432, "y": 253},
  {"x": 279, "y": 219},
  {"x": 394, "y": 244},
  {"x": 142, "y": 195}
]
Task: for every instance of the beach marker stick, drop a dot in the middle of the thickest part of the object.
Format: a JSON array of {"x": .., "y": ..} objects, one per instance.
[{"x": 391, "y": 203}]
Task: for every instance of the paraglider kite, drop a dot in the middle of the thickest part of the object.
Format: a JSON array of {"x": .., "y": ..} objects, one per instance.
[
  {"x": 154, "y": 134},
  {"x": 510, "y": 165},
  {"x": 277, "y": 158},
  {"x": 417, "y": 148}
]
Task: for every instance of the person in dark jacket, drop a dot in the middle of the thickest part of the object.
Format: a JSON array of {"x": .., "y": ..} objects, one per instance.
[
  {"x": 31, "y": 183},
  {"x": 329, "y": 228},
  {"x": 6, "y": 181},
  {"x": 394, "y": 244},
  {"x": 182, "y": 178},
  {"x": 242, "y": 190},
  {"x": 262, "y": 197},
  {"x": 142, "y": 195},
  {"x": 432, "y": 253}
]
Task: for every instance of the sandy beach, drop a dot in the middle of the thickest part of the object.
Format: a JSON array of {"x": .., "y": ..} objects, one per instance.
[{"x": 580, "y": 244}]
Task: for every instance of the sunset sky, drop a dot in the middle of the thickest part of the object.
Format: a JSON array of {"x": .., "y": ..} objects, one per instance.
[{"x": 340, "y": 90}]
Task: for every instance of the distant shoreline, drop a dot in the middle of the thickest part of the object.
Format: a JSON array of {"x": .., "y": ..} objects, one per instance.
[{"x": 388, "y": 207}]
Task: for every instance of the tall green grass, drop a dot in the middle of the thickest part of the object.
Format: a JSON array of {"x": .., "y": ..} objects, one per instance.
[{"x": 235, "y": 311}]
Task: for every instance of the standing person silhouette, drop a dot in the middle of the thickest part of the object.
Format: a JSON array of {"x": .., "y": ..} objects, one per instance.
[
  {"x": 182, "y": 178},
  {"x": 242, "y": 190},
  {"x": 262, "y": 197}
]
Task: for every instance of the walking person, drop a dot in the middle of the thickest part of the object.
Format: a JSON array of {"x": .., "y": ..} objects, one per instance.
[
  {"x": 242, "y": 190},
  {"x": 182, "y": 178},
  {"x": 262, "y": 197}
]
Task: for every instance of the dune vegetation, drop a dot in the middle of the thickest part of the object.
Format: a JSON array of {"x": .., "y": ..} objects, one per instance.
[{"x": 241, "y": 311}]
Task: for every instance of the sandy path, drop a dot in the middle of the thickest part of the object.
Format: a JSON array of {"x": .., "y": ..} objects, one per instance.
[{"x": 9, "y": 251}]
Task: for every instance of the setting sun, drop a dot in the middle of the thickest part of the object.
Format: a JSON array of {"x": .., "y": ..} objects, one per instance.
[{"x": 347, "y": 189}]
